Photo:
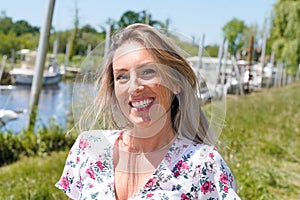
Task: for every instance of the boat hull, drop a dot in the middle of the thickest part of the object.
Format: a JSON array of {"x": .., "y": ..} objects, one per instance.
[{"x": 27, "y": 78}]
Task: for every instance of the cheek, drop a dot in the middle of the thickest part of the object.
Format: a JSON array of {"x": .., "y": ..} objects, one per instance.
[{"x": 120, "y": 94}]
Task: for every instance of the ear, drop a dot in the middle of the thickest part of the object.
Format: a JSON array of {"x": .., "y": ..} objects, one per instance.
[{"x": 176, "y": 90}]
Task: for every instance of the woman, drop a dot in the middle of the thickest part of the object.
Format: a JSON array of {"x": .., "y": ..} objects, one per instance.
[{"x": 157, "y": 143}]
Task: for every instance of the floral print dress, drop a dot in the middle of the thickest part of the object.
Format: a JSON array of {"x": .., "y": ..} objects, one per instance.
[{"x": 188, "y": 171}]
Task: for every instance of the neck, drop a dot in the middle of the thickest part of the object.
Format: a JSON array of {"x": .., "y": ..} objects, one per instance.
[{"x": 144, "y": 140}]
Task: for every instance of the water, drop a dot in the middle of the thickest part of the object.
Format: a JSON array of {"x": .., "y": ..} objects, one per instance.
[{"x": 55, "y": 102}]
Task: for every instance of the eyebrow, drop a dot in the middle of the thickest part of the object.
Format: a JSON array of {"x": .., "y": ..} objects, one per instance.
[{"x": 138, "y": 67}]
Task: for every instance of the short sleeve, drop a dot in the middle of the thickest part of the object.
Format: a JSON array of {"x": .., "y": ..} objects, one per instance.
[
  {"x": 70, "y": 181},
  {"x": 217, "y": 181}
]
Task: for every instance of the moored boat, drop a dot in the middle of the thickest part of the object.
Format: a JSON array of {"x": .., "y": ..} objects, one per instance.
[{"x": 24, "y": 75}]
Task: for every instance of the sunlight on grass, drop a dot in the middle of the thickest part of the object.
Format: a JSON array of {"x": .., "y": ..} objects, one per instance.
[
  {"x": 32, "y": 178},
  {"x": 261, "y": 143}
]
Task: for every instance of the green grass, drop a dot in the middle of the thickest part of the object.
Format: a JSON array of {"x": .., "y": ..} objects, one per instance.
[
  {"x": 32, "y": 178},
  {"x": 260, "y": 142}
]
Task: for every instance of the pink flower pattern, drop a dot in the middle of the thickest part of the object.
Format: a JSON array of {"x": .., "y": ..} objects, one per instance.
[{"x": 183, "y": 173}]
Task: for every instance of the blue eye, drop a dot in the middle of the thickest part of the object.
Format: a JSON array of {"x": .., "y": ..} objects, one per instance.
[
  {"x": 147, "y": 74},
  {"x": 148, "y": 71},
  {"x": 122, "y": 78}
]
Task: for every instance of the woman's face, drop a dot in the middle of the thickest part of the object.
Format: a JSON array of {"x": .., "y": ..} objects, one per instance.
[{"x": 139, "y": 87}]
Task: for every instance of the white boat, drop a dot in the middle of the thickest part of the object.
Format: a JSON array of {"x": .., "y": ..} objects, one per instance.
[
  {"x": 7, "y": 87},
  {"x": 7, "y": 115},
  {"x": 24, "y": 75}
]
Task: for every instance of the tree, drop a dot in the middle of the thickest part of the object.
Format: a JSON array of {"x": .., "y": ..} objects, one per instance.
[
  {"x": 21, "y": 27},
  {"x": 88, "y": 29},
  {"x": 234, "y": 32},
  {"x": 285, "y": 34},
  {"x": 131, "y": 17},
  {"x": 6, "y": 24},
  {"x": 8, "y": 42}
]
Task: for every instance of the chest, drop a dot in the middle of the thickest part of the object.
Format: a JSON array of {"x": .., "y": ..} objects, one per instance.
[
  {"x": 132, "y": 171},
  {"x": 129, "y": 184}
]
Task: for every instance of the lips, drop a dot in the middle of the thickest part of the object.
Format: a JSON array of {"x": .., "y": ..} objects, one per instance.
[{"x": 141, "y": 105}]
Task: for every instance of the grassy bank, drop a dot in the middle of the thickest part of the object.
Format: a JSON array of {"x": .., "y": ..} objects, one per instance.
[
  {"x": 32, "y": 178},
  {"x": 260, "y": 142}
]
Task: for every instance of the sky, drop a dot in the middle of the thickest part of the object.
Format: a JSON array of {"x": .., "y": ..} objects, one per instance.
[{"x": 191, "y": 18}]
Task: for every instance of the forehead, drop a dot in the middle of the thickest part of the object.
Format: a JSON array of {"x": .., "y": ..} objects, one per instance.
[{"x": 131, "y": 53}]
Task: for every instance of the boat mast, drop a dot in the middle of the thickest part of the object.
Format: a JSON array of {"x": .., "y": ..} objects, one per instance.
[{"x": 40, "y": 65}]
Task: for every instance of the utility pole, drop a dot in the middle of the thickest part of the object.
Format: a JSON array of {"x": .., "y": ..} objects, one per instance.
[{"x": 40, "y": 65}]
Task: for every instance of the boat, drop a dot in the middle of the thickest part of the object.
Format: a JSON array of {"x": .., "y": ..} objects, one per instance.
[
  {"x": 7, "y": 87},
  {"x": 9, "y": 115},
  {"x": 24, "y": 75}
]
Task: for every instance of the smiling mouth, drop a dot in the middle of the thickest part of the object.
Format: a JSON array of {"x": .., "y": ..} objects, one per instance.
[{"x": 142, "y": 105}]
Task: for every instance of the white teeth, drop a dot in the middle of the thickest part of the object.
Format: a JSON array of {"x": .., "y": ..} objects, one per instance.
[{"x": 141, "y": 104}]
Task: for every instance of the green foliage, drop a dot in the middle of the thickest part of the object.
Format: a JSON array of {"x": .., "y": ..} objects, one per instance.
[
  {"x": 6, "y": 24},
  {"x": 187, "y": 46},
  {"x": 7, "y": 42},
  {"x": 20, "y": 34},
  {"x": 33, "y": 178},
  {"x": 131, "y": 17},
  {"x": 27, "y": 143},
  {"x": 251, "y": 30},
  {"x": 16, "y": 35},
  {"x": 234, "y": 33},
  {"x": 20, "y": 27},
  {"x": 88, "y": 29},
  {"x": 285, "y": 34},
  {"x": 212, "y": 50}
]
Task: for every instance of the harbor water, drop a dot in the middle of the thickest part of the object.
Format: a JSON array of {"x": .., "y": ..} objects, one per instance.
[{"x": 55, "y": 102}]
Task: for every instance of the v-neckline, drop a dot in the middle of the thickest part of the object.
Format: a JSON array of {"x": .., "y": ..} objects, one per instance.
[{"x": 164, "y": 161}]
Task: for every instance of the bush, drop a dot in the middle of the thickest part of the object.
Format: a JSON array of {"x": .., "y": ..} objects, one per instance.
[{"x": 27, "y": 143}]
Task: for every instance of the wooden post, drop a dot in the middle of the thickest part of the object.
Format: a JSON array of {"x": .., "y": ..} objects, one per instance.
[
  {"x": 224, "y": 67},
  {"x": 107, "y": 39},
  {"x": 55, "y": 49},
  {"x": 220, "y": 55},
  {"x": 271, "y": 69},
  {"x": 4, "y": 57},
  {"x": 200, "y": 51},
  {"x": 298, "y": 73},
  {"x": 238, "y": 77},
  {"x": 263, "y": 49},
  {"x": 66, "y": 62},
  {"x": 250, "y": 62},
  {"x": 40, "y": 65}
]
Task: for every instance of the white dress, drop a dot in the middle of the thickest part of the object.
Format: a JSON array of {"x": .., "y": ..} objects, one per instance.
[{"x": 188, "y": 171}]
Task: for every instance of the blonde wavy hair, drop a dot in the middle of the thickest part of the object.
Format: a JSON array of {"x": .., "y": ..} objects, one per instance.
[{"x": 188, "y": 119}]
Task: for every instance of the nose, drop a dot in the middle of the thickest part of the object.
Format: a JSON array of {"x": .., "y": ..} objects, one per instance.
[{"x": 135, "y": 86}]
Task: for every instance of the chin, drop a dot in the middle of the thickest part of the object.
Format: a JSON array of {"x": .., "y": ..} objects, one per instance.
[{"x": 140, "y": 121}]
